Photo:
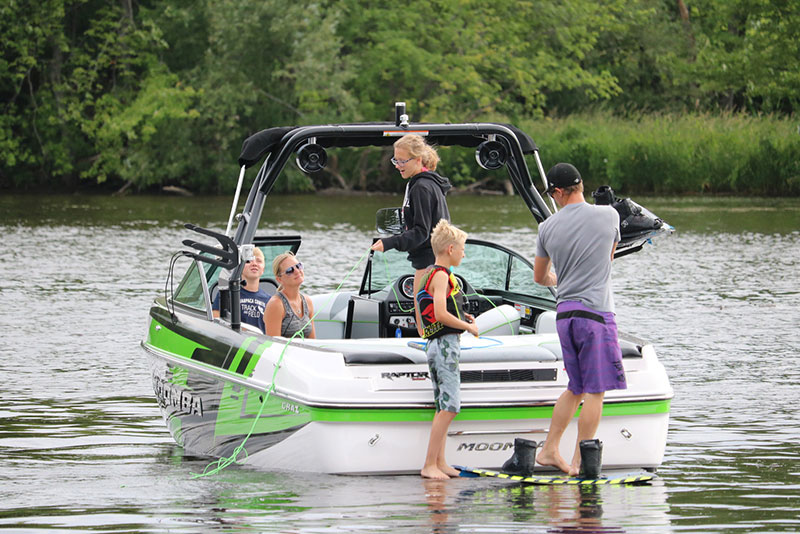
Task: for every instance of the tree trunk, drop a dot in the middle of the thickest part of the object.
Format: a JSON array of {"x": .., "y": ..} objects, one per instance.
[
  {"x": 332, "y": 168},
  {"x": 684, "y": 12}
]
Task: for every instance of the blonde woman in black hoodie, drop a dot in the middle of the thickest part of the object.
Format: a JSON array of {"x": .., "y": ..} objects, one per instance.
[{"x": 424, "y": 205}]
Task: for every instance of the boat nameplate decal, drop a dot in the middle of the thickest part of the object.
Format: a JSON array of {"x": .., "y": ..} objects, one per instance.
[
  {"x": 170, "y": 394},
  {"x": 413, "y": 375},
  {"x": 289, "y": 407},
  {"x": 485, "y": 446}
]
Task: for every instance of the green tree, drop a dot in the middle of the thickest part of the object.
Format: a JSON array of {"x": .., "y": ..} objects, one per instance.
[
  {"x": 263, "y": 64},
  {"x": 94, "y": 92},
  {"x": 29, "y": 32},
  {"x": 466, "y": 59},
  {"x": 748, "y": 54},
  {"x": 642, "y": 45}
]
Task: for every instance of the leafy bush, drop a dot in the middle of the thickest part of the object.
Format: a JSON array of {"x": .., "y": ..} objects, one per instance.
[{"x": 691, "y": 153}]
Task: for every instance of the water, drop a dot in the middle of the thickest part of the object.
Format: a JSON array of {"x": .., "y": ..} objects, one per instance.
[{"x": 84, "y": 448}]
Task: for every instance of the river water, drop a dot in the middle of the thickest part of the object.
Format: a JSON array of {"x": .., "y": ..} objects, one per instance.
[{"x": 84, "y": 448}]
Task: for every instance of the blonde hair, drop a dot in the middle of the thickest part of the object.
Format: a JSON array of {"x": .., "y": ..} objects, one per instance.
[
  {"x": 573, "y": 189},
  {"x": 276, "y": 264},
  {"x": 258, "y": 252},
  {"x": 416, "y": 147},
  {"x": 445, "y": 234}
]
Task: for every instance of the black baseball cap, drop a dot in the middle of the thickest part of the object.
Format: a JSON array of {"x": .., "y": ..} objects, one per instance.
[{"x": 562, "y": 175}]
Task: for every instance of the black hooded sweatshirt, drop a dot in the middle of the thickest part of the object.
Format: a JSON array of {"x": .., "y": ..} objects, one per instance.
[{"x": 424, "y": 208}]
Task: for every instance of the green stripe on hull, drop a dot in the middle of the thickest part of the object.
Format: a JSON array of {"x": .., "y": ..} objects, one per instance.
[
  {"x": 344, "y": 415},
  {"x": 164, "y": 338},
  {"x": 220, "y": 355},
  {"x": 239, "y": 408},
  {"x": 251, "y": 365},
  {"x": 242, "y": 349}
]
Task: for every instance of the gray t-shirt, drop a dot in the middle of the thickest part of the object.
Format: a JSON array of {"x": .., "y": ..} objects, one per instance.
[{"x": 578, "y": 239}]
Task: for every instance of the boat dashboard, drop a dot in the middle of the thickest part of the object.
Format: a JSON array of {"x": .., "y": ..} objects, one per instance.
[
  {"x": 398, "y": 303},
  {"x": 395, "y": 306}
]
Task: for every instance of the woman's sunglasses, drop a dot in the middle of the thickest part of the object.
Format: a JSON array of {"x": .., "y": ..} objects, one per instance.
[
  {"x": 399, "y": 162},
  {"x": 290, "y": 270}
]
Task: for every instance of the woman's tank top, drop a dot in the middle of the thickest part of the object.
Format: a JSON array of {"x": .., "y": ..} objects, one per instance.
[{"x": 291, "y": 323}]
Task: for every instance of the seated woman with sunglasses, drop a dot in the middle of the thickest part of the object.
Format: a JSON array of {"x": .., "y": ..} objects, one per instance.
[{"x": 289, "y": 311}]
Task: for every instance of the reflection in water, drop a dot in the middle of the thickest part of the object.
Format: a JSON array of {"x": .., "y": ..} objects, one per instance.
[
  {"x": 435, "y": 496},
  {"x": 502, "y": 506},
  {"x": 575, "y": 509}
]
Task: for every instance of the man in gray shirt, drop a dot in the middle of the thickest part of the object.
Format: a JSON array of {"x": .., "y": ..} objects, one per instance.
[{"x": 579, "y": 241}]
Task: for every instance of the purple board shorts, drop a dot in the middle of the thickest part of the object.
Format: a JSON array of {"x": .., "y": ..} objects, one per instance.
[{"x": 590, "y": 348}]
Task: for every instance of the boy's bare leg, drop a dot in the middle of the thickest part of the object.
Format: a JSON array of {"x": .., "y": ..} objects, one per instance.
[
  {"x": 563, "y": 412},
  {"x": 442, "y": 464},
  {"x": 441, "y": 421},
  {"x": 588, "y": 422}
]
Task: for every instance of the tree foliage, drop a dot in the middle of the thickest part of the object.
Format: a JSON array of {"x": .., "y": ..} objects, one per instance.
[{"x": 154, "y": 93}]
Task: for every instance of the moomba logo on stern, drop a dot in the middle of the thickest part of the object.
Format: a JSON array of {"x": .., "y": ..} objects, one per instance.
[
  {"x": 479, "y": 446},
  {"x": 413, "y": 375},
  {"x": 169, "y": 394}
]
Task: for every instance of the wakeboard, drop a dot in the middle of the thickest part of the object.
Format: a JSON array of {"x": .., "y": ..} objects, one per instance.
[{"x": 639, "y": 477}]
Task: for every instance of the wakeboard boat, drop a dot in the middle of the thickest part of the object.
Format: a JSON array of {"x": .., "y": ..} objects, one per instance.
[{"x": 358, "y": 398}]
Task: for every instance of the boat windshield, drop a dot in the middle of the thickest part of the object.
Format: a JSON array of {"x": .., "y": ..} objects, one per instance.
[
  {"x": 190, "y": 289},
  {"x": 488, "y": 267}
]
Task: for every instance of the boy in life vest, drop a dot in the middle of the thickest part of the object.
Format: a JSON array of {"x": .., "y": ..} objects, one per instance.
[{"x": 441, "y": 303}]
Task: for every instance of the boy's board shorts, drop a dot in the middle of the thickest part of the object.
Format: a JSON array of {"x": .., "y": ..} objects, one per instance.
[
  {"x": 590, "y": 348},
  {"x": 444, "y": 353}
]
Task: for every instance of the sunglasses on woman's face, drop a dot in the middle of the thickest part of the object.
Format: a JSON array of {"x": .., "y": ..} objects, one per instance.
[
  {"x": 399, "y": 162},
  {"x": 290, "y": 270}
]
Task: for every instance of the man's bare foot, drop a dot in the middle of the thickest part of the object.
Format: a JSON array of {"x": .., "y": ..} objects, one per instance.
[
  {"x": 575, "y": 469},
  {"x": 449, "y": 470},
  {"x": 553, "y": 459},
  {"x": 433, "y": 473}
]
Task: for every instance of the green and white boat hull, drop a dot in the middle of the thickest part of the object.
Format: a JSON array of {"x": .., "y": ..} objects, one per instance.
[{"x": 327, "y": 416}]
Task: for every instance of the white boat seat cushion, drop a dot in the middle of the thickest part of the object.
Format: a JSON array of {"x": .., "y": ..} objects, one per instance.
[
  {"x": 500, "y": 321},
  {"x": 545, "y": 323}
]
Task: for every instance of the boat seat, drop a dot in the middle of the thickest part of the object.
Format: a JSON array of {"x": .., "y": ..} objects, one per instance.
[
  {"x": 269, "y": 286},
  {"x": 545, "y": 323},
  {"x": 363, "y": 318},
  {"x": 500, "y": 321},
  {"x": 630, "y": 349},
  {"x": 330, "y": 315}
]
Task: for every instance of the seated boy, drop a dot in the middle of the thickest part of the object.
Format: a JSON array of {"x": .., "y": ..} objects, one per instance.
[
  {"x": 253, "y": 299},
  {"x": 441, "y": 303}
]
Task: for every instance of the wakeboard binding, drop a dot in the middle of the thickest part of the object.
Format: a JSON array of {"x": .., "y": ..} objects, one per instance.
[
  {"x": 591, "y": 458},
  {"x": 633, "y": 218},
  {"x": 523, "y": 460}
]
